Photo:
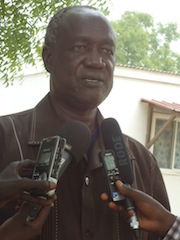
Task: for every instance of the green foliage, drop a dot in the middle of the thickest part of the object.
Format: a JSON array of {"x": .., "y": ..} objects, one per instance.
[
  {"x": 142, "y": 43},
  {"x": 22, "y": 26}
]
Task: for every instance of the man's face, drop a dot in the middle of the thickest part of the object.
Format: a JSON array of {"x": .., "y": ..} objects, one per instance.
[{"x": 82, "y": 60}]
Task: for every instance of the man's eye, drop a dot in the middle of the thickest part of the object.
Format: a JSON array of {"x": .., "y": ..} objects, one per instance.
[
  {"x": 79, "y": 48},
  {"x": 108, "y": 51}
]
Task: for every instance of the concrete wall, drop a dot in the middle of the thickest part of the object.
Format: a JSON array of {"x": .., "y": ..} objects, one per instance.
[
  {"x": 123, "y": 103},
  {"x": 23, "y": 94}
]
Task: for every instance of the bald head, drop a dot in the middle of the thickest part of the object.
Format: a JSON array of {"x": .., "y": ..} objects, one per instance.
[{"x": 64, "y": 14}]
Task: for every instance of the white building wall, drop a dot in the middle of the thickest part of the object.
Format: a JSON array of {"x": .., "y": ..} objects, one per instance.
[
  {"x": 23, "y": 94},
  {"x": 130, "y": 85},
  {"x": 124, "y": 104}
]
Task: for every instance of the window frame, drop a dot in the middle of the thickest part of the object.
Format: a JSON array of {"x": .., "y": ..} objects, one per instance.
[{"x": 166, "y": 116}]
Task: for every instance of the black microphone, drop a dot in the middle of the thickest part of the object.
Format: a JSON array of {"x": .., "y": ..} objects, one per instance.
[
  {"x": 114, "y": 141},
  {"x": 77, "y": 137}
]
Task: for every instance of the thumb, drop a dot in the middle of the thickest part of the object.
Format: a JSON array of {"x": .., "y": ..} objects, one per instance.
[
  {"x": 36, "y": 186},
  {"x": 124, "y": 189},
  {"x": 23, "y": 212}
]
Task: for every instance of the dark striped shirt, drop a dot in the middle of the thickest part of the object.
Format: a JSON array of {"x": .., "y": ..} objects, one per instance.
[{"x": 174, "y": 231}]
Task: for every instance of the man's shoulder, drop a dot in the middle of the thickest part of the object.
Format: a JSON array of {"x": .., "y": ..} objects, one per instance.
[
  {"x": 132, "y": 141},
  {"x": 137, "y": 149},
  {"x": 16, "y": 115},
  {"x": 25, "y": 113},
  {"x": 19, "y": 119}
]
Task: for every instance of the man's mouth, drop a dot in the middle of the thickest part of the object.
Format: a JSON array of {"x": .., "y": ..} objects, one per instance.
[{"x": 91, "y": 80}]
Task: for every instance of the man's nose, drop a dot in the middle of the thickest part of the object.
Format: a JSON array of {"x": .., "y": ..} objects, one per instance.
[{"x": 94, "y": 59}]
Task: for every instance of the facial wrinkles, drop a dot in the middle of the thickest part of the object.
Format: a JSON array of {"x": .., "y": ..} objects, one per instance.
[{"x": 71, "y": 62}]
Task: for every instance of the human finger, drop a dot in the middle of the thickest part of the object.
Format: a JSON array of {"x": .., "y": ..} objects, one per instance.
[
  {"x": 39, "y": 200},
  {"x": 25, "y": 168},
  {"x": 115, "y": 206},
  {"x": 36, "y": 187},
  {"x": 38, "y": 222},
  {"x": 10, "y": 172},
  {"x": 104, "y": 196}
]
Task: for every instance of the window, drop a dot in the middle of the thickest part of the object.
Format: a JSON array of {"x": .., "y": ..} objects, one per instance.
[{"x": 166, "y": 148}]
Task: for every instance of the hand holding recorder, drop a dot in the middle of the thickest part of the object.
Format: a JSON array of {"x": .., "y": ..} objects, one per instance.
[
  {"x": 152, "y": 216},
  {"x": 15, "y": 184},
  {"x": 17, "y": 228},
  {"x": 57, "y": 153}
]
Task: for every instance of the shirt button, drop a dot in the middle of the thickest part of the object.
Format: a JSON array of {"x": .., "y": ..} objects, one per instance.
[{"x": 87, "y": 181}]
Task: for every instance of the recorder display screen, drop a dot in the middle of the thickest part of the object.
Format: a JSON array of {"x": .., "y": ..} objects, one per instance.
[
  {"x": 45, "y": 158},
  {"x": 110, "y": 162}
]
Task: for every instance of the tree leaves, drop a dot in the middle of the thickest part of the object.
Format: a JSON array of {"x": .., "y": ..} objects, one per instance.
[
  {"x": 22, "y": 29},
  {"x": 142, "y": 43}
]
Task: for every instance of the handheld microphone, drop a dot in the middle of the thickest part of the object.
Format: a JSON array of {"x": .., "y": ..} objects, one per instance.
[
  {"x": 113, "y": 139},
  {"x": 114, "y": 143},
  {"x": 57, "y": 153},
  {"x": 77, "y": 136}
]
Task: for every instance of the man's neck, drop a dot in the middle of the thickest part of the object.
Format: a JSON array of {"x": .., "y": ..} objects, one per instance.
[{"x": 88, "y": 117}]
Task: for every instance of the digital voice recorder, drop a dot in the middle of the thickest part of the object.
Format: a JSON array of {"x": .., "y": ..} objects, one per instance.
[
  {"x": 47, "y": 166},
  {"x": 111, "y": 170}
]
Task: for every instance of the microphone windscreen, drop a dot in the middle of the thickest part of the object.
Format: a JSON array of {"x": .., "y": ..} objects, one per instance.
[
  {"x": 113, "y": 140},
  {"x": 77, "y": 135}
]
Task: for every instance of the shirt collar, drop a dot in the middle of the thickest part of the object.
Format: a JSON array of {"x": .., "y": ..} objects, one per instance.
[{"x": 45, "y": 122}]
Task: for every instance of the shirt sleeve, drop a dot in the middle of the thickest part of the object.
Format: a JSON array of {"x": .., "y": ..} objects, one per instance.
[{"x": 174, "y": 231}]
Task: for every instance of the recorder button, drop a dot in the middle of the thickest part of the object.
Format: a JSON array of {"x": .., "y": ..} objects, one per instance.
[
  {"x": 87, "y": 180},
  {"x": 43, "y": 176}
]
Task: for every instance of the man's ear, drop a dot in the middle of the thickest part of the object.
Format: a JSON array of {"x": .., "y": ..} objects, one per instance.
[{"x": 47, "y": 57}]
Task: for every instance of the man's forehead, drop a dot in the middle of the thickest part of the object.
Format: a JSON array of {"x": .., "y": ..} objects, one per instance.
[
  {"x": 78, "y": 14},
  {"x": 81, "y": 21},
  {"x": 78, "y": 18},
  {"x": 81, "y": 11}
]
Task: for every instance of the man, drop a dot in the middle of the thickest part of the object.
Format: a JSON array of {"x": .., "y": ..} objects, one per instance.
[
  {"x": 79, "y": 54},
  {"x": 14, "y": 186},
  {"x": 152, "y": 216}
]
